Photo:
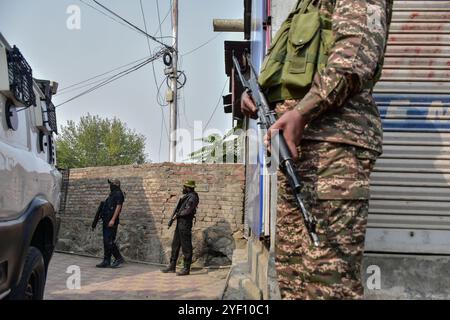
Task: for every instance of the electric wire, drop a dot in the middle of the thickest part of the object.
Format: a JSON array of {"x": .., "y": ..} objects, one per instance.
[
  {"x": 60, "y": 91},
  {"x": 202, "y": 45},
  {"x": 118, "y": 21},
  {"x": 99, "y": 75},
  {"x": 184, "y": 109},
  {"x": 106, "y": 15},
  {"x": 115, "y": 77},
  {"x": 159, "y": 16},
  {"x": 134, "y": 26},
  {"x": 107, "y": 81},
  {"x": 81, "y": 84},
  {"x": 217, "y": 105},
  {"x": 165, "y": 18},
  {"x": 163, "y": 118}
]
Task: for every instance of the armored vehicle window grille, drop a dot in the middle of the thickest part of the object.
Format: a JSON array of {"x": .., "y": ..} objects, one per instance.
[
  {"x": 20, "y": 77},
  {"x": 51, "y": 115}
]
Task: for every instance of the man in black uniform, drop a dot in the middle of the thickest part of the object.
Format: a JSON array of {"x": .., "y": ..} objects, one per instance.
[
  {"x": 184, "y": 214},
  {"x": 110, "y": 217}
]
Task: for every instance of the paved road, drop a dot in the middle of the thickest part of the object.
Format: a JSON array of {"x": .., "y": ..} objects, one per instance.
[{"x": 132, "y": 281}]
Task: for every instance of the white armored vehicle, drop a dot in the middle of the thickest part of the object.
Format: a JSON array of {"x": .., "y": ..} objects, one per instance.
[{"x": 29, "y": 181}]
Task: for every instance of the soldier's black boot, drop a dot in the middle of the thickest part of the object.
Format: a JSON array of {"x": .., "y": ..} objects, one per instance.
[
  {"x": 104, "y": 264},
  {"x": 185, "y": 271},
  {"x": 117, "y": 263},
  {"x": 171, "y": 268}
]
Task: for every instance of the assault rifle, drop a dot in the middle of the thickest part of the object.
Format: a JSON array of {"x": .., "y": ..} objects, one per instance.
[
  {"x": 175, "y": 213},
  {"x": 97, "y": 215},
  {"x": 286, "y": 163}
]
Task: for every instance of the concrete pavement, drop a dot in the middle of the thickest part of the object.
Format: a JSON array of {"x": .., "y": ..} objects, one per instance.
[{"x": 131, "y": 281}]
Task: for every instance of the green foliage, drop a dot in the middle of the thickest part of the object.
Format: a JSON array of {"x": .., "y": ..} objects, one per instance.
[
  {"x": 217, "y": 149},
  {"x": 95, "y": 142}
]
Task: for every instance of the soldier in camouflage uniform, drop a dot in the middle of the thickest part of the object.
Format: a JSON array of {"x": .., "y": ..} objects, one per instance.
[{"x": 335, "y": 134}]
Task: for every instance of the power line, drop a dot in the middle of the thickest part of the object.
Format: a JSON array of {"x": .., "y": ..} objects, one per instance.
[
  {"x": 183, "y": 97},
  {"x": 116, "y": 77},
  {"x": 134, "y": 26},
  {"x": 202, "y": 45},
  {"x": 149, "y": 49},
  {"x": 163, "y": 118},
  {"x": 159, "y": 16},
  {"x": 158, "y": 30},
  {"x": 117, "y": 68},
  {"x": 104, "y": 14},
  {"x": 217, "y": 105},
  {"x": 145, "y": 27},
  {"x": 165, "y": 18},
  {"x": 80, "y": 87},
  {"x": 99, "y": 75},
  {"x": 109, "y": 80}
]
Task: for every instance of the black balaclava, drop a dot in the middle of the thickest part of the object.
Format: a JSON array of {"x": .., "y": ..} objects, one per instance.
[{"x": 186, "y": 190}]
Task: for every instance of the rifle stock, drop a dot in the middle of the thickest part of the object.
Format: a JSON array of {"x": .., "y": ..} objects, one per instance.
[{"x": 267, "y": 118}]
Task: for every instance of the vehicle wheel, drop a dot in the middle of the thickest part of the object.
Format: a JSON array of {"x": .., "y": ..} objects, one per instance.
[{"x": 32, "y": 282}]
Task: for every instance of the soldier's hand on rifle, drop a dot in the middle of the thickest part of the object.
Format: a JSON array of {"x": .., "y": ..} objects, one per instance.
[
  {"x": 248, "y": 106},
  {"x": 292, "y": 123}
]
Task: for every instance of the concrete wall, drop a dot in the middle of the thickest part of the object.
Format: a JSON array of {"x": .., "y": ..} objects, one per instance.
[
  {"x": 406, "y": 276},
  {"x": 152, "y": 191},
  {"x": 384, "y": 276},
  {"x": 263, "y": 274}
]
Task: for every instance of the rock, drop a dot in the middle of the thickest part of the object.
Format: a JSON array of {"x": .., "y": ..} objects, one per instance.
[
  {"x": 220, "y": 245},
  {"x": 64, "y": 245},
  {"x": 200, "y": 262},
  {"x": 218, "y": 261},
  {"x": 200, "y": 247}
]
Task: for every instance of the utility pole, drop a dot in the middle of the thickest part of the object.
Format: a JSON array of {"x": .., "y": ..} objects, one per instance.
[{"x": 174, "y": 102}]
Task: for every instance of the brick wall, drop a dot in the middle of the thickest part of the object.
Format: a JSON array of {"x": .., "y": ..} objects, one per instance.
[
  {"x": 152, "y": 191},
  {"x": 64, "y": 185}
]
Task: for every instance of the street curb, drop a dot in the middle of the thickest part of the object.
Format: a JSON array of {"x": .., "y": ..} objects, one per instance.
[
  {"x": 225, "y": 287},
  {"x": 140, "y": 262}
]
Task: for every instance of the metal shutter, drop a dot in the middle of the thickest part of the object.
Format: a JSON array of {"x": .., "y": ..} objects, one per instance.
[{"x": 410, "y": 199}]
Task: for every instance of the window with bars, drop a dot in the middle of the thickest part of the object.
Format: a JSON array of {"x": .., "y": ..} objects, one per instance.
[{"x": 20, "y": 77}]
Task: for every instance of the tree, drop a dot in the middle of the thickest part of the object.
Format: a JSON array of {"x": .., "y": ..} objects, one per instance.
[
  {"x": 97, "y": 142},
  {"x": 219, "y": 149}
]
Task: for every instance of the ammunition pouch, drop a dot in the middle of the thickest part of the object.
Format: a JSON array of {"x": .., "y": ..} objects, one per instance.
[{"x": 300, "y": 49}]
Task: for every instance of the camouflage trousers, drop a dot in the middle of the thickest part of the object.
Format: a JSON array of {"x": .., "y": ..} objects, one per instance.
[{"x": 336, "y": 190}]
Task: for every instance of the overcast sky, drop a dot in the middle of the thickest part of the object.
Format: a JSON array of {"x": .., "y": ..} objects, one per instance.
[{"x": 39, "y": 29}]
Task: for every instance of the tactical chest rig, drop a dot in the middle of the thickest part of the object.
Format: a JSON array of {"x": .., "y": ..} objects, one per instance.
[{"x": 300, "y": 48}]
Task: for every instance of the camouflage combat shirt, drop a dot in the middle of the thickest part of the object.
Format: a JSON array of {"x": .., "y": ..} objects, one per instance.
[{"x": 339, "y": 106}]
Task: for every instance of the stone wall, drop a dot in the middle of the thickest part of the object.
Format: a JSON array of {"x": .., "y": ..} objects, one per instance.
[{"x": 152, "y": 191}]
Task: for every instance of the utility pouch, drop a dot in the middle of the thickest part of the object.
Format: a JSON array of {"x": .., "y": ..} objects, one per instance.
[{"x": 298, "y": 51}]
